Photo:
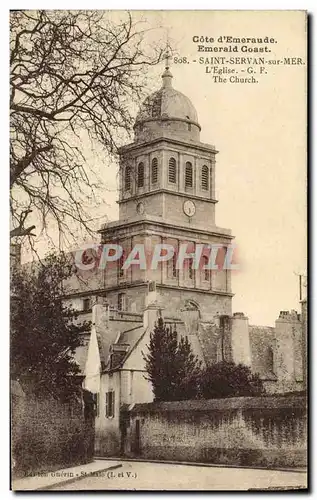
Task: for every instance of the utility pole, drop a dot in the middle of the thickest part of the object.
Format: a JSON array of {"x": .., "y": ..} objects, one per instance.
[{"x": 301, "y": 280}]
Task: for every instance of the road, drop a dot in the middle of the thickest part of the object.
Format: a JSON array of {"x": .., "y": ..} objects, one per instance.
[{"x": 161, "y": 476}]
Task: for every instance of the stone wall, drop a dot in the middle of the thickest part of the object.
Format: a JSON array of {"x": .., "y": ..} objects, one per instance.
[
  {"x": 268, "y": 431},
  {"x": 49, "y": 435}
]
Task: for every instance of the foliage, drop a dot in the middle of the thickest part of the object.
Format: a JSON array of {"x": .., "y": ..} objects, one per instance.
[
  {"x": 227, "y": 379},
  {"x": 172, "y": 367},
  {"x": 44, "y": 333},
  {"x": 73, "y": 78}
]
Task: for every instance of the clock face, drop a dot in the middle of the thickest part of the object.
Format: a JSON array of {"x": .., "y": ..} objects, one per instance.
[
  {"x": 189, "y": 208},
  {"x": 140, "y": 208}
]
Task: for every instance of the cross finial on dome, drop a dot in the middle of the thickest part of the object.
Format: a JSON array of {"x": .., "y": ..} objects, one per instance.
[
  {"x": 167, "y": 75},
  {"x": 167, "y": 57}
]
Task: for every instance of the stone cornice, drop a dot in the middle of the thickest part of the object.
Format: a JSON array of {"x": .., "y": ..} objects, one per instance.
[
  {"x": 168, "y": 191},
  {"x": 187, "y": 144},
  {"x": 166, "y": 119},
  {"x": 125, "y": 285},
  {"x": 119, "y": 225}
]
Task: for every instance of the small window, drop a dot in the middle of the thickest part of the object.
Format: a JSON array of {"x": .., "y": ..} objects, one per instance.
[
  {"x": 141, "y": 175},
  {"x": 154, "y": 170},
  {"x": 205, "y": 178},
  {"x": 188, "y": 175},
  {"x": 121, "y": 301},
  {"x": 172, "y": 170},
  {"x": 110, "y": 404},
  {"x": 127, "y": 178},
  {"x": 86, "y": 304},
  {"x": 97, "y": 403},
  {"x": 205, "y": 272},
  {"x": 189, "y": 127}
]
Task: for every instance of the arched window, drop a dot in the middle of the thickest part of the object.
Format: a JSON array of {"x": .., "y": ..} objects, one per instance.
[
  {"x": 154, "y": 170},
  {"x": 172, "y": 170},
  {"x": 205, "y": 178},
  {"x": 127, "y": 178},
  {"x": 191, "y": 305},
  {"x": 141, "y": 175},
  {"x": 205, "y": 272},
  {"x": 188, "y": 175}
]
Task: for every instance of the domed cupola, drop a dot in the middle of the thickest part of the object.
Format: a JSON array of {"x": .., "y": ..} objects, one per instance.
[{"x": 167, "y": 113}]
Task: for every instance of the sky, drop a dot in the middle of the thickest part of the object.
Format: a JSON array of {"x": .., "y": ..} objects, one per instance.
[{"x": 260, "y": 133}]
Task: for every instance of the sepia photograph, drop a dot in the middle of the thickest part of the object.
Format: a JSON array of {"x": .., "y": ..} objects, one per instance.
[{"x": 158, "y": 250}]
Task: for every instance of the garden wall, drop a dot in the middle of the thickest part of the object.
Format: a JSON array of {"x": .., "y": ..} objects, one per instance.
[
  {"x": 47, "y": 435},
  {"x": 266, "y": 431}
]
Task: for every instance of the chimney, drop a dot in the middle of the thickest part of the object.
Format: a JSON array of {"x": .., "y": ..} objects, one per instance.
[
  {"x": 240, "y": 339},
  {"x": 150, "y": 316}
]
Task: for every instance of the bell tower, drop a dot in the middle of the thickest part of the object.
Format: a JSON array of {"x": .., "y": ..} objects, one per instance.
[{"x": 167, "y": 195}]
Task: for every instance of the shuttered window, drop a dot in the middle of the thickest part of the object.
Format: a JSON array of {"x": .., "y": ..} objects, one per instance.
[
  {"x": 96, "y": 403},
  {"x": 110, "y": 404},
  {"x": 141, "y": 175},
  {"x": 172, "y": 170},
  {"x": 154, "y": 170},
  {"x": 188, "y": 175},
  {"x": 127, "y": 178},
  {"x": 205, "y": 178}
]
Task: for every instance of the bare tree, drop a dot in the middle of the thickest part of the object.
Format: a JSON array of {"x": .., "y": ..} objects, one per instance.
[{"x": 74, "y": 75}]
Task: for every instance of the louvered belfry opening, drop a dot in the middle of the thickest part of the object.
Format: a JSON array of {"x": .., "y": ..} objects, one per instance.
[
  {"x": 127, "y": 178},
  {"x": 141, "y": 175},
  {"x": 188, "y": 175},
  {"x": 205, "y": 178},
  {"x": 172, "y": 170},
  {"x": 154, "y": 173}
]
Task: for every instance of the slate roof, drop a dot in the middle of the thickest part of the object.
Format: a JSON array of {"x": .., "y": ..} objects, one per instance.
[
  {"x": 129, "y": 338},
  {"x": 81, "y": 357},
  {"x": 128, "y": 333},
  {"x": 111, "y": 335}
]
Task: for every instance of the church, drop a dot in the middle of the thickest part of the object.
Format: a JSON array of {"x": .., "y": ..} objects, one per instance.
[{"x": 167, "y": 196}]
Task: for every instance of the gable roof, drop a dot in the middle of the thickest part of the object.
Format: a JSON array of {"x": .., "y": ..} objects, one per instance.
[
  {"x": 130, "y": 338},
  {"x": 81, "y": 357},
  {"x": 109, "y": 335}
]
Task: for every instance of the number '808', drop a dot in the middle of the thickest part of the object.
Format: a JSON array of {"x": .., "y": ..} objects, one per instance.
[{"x": 180, "y": 60}]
